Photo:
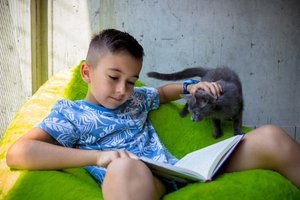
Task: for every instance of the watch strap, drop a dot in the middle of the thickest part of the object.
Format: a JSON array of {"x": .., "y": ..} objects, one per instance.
[{"x": 188, "y": 82}]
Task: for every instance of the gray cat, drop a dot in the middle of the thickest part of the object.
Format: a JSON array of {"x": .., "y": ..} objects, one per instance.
[{"x": 229, "y": 105}]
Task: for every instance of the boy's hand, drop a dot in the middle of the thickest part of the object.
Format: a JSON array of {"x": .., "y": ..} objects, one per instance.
[
  {"x": 106, "y": 157},
  {"x": 211, "y": 87}
]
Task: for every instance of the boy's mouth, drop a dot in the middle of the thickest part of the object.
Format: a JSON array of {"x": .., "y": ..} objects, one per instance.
[{"x": 117, "y": 99}]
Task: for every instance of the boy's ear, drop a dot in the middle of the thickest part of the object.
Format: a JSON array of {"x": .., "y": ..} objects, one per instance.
[{"x": 85, "y": 72}]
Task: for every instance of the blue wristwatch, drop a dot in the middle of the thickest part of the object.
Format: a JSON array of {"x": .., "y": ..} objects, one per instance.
[{"x": 188, "y": 82}]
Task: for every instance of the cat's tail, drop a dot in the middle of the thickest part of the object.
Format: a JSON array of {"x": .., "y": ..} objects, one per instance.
[{"x": 184, "y": 74}]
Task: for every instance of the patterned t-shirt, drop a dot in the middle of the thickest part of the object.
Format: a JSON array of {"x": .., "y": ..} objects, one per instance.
[{"x": 83, "y": 125}]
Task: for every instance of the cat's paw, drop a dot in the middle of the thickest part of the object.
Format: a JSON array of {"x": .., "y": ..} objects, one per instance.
[
  {"x": 239, "y": 133},
  {"x": 183, "y": 114},
  {"x": 217, "y": 135}
]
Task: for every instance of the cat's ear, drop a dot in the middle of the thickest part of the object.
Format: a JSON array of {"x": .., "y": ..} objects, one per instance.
[
  {"x": 212, "y": 97},
  {"x": 203, "y": 104},
  {"x": 206, "y": 99},
  {"x": 185, "y": 96},
  {"x": 203, "y": 101}
]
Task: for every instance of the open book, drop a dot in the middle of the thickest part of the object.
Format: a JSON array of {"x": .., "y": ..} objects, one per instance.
[{"x": 200, "y": 165}]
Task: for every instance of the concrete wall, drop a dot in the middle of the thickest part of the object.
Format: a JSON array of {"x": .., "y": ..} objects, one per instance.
[
  {"x": 69, "y": 33},
  {"x": 15, "y": 55},
  {"x": 258, "y": 39}
]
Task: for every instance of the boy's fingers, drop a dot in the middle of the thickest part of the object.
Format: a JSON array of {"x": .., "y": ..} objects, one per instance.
[
  {"x": 127, "y": 154},
  {"x": 201, "y": 85},
  {"x": 123, "y": 154},
  {"x": 218, "y": 86},
  {"x": 133, "y": 156},
  {"x": 216, "y": 89},
  {"x": 211, "y": 87}
]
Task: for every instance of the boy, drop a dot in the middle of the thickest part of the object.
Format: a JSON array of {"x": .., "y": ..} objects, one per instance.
[{"x": 110, "y": 129}]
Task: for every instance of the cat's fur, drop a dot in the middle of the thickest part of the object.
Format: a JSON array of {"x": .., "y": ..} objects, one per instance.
[{"x": 229, "y": 105}]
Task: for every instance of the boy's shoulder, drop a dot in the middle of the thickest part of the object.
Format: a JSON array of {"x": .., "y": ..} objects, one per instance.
[
  {"x": 146, "y": 90},
  {"x": 68, "y": 104},
  {"x": 148, "y": 95},
  {"x": 64, "y": 102}
]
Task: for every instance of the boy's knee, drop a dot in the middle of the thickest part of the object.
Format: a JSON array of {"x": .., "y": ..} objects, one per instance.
[
  {"x": 272, "y": 134},
  {"x": 134, "y": 176},
  {"x": 271, "y": 130},
  {"x": 275, "y": 140},
  {"x": 126, "y": 167}
]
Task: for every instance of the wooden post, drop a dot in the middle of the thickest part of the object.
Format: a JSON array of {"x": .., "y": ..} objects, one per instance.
[{"x": 39, "y": 42}]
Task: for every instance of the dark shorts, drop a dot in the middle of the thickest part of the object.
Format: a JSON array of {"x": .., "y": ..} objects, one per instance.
[{"x": 171, "y": 185}]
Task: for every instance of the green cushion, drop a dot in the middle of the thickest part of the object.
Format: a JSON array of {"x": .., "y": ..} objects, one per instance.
[{"x": 179, "y": 135}]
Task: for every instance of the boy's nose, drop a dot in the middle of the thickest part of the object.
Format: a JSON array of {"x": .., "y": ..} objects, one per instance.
[{"x": 121, "y": 88}]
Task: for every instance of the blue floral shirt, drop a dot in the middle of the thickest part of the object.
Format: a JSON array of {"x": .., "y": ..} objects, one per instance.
[{"x": 83, "y": 125}]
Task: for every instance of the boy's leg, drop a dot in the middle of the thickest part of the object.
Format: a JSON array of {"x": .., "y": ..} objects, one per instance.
[
  {"x": 268, "y": 147},
  {"x": 131, "y": 179}
]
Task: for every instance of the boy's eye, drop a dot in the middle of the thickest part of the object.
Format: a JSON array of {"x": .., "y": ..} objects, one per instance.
[
  {"x": 130, "y": 83},
  {"x": 113, "y": 77}
]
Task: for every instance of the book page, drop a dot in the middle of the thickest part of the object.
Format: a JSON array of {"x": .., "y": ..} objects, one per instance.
[
  {"x": 205, "y": 160},
  {"x": 172, "y": 172}
]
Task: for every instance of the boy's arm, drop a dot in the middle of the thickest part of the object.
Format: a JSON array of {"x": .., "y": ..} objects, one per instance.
[
  {"x": 37, "y": 150},
  {"x": 172, "y": 92}
]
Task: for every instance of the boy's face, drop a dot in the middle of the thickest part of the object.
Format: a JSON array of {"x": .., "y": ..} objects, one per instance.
[{"x": 111, "y": 82}]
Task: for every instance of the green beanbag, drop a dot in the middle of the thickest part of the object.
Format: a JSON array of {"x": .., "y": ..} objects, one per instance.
[{"x": 179, "y": 135}]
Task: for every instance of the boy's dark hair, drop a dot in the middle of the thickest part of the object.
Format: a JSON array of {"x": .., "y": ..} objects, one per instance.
[{"x": 114, "y": 41}]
